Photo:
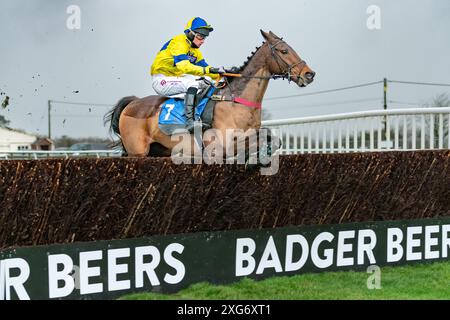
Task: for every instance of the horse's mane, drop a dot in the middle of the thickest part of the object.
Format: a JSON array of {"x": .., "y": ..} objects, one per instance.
[
  {"x": 246, "y": 62},
  {"x": 241, "y": 68}
]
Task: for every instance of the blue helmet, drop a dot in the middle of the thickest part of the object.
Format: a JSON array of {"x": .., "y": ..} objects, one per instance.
[{"x": 198, "y": 25}]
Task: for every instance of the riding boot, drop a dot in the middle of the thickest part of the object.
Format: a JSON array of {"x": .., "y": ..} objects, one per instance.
[{"x": 189, "y": 108}]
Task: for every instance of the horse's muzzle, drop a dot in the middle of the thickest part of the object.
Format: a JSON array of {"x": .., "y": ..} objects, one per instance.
[
  {"x": 309, "y": 76},
  {"x": 306, "y": 79},
  {"x": 301, "y": 82}
]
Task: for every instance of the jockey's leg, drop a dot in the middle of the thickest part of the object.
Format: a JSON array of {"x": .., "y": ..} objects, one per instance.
[
  {"x": 189, "y": 108},
  {"x": 170, "y": 86}
]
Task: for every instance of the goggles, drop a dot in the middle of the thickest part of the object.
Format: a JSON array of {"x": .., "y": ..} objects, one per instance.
[{"x": 199, "y": 36}]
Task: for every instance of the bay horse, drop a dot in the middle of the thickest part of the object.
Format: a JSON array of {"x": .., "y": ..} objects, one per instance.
[{"x": 135, "y": 120}]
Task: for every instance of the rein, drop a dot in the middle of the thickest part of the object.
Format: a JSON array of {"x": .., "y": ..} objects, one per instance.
[{"x": 238, "y": 75}]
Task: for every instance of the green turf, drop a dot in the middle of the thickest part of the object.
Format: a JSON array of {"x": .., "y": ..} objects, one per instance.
[{"x": 424, "y": 281}]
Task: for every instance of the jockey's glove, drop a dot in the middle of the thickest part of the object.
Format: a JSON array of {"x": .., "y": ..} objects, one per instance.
[
  {"x": 217, "y": 70},
  {"x": 233, "y": 70}
]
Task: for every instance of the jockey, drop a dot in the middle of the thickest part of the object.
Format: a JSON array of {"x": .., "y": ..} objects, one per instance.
[{"x": 179, "y": 65}]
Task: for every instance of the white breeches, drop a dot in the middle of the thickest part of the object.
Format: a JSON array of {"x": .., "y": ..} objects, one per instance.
[{"x": 176, "y": 87}]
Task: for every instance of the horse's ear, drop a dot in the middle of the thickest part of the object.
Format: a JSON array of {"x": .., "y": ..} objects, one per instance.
[
  {"x": 274, "y": 35},
  {"x": 265, "y": 35}
]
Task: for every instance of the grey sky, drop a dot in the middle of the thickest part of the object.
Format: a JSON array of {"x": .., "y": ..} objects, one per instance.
[{"x": 110, "y": 56}]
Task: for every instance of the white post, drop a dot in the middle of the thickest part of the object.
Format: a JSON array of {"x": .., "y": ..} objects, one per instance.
[
  {"x": 295, "y": 139},
  {"x": 317, "y": 139},
  {"x": 388, "y": 131},
  {"x": 340, "y": 137},
  {"x": 405, "y": 133},
  {"x": 380, "y": 129},
  {"x": 288, "y": 139},
  {"x": 309, "y": 140},
  {"x": 396, "y": 145},
  {"x": 331, "y": 139},
  {"x": 431, "y": 131},
  {"x": 372, "y": 145},
  {"x": 302, "y": 139},
  {"x": 347, "y": 139},
  {"x": 422, "y": 134},
  {"x": 363, "y": 138},
  {"x": 448, "y": 131}
]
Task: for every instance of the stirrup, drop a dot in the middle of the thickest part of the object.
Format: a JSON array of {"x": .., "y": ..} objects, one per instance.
[{"x": 190, "y": 125}]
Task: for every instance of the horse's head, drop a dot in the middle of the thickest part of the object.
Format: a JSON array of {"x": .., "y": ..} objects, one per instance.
[{"x": 283, "y": 60}]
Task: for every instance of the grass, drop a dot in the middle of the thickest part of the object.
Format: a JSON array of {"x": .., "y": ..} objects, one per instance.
[{"x": 424, "y": 281}]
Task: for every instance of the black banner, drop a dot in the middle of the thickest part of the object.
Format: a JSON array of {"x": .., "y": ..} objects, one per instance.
[{"x": 109, "y": 269}]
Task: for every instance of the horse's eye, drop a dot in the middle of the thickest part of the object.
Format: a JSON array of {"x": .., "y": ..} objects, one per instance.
[{"x": 284, "y": 51}]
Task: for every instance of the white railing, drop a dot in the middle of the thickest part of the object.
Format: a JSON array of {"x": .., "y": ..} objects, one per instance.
[
  {"x": 406, "y": 130},
  {"x": 32, "y": 154},
  {"x": 367, "y": 131}
]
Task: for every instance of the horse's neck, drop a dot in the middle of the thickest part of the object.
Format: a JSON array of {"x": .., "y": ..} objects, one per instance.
[
  {"x": 255, "y": 89},
  {"x": 251, "y": 89}
]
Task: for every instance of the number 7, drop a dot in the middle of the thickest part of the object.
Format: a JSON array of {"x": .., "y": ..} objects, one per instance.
[{"x": 170, "y": 108}]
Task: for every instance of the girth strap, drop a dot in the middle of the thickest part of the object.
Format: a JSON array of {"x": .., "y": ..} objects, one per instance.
[{"x": 251, "y": 104}]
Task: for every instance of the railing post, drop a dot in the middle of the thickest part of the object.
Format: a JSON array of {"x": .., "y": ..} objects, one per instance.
[
  {"x": 49, "y": 119},
  {"x": 385, "y": 87}
]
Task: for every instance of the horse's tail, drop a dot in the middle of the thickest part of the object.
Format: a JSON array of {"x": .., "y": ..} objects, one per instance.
[{"x": 113, "y": 115}]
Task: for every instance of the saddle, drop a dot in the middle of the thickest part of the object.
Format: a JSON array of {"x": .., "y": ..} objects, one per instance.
[{"x": 172, "y": 117}]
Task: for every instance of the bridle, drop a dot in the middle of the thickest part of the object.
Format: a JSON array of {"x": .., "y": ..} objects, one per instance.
[{"x": 278, "y": 58}]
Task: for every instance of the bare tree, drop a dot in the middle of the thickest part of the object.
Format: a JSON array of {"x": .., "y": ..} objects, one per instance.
[
  {"x": 440, "y": 101},
  {"x": 66, "y": 141}
]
